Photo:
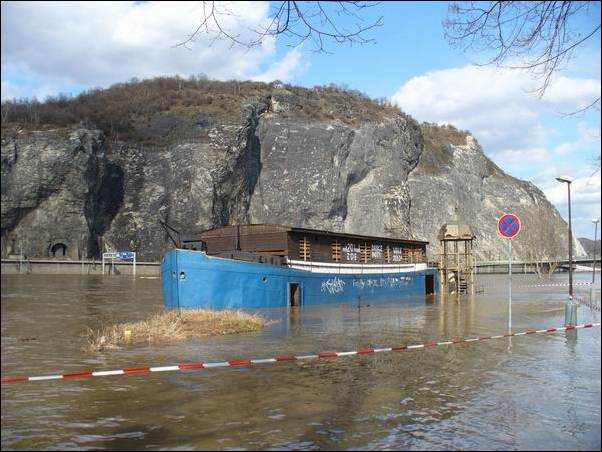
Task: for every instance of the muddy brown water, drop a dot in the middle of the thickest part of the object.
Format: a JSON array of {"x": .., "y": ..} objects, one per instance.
[{"x": 534, "y": 392}]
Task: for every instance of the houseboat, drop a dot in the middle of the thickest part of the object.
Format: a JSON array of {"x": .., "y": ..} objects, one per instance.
[{"x": 266, "y": 265}]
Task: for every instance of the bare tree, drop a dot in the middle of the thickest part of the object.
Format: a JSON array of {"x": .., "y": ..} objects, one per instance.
[
  {"x": 317, "y": 22},
  {"x": 540, "y": 36}
]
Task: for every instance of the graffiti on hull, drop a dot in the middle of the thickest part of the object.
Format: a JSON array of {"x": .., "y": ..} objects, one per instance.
[
  {"x": 388, "y": 281},
  {"x": 337, "y": 285},
  {"x": 333, "y": 285}
]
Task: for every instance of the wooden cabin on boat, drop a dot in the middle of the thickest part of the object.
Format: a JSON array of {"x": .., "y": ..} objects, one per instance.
[{"x": 277, "y": 243}]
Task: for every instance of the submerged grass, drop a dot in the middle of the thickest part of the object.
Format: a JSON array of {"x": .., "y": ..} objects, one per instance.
[{"x": 173, "y": 326}]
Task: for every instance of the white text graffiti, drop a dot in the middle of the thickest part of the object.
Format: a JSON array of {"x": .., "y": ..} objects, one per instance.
[
  {"x": 389, "y": 281},
  {"x": 333, "y": 285}
]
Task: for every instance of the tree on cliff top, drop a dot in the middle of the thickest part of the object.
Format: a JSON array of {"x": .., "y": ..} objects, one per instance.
[{"x": 537, "y": 36}]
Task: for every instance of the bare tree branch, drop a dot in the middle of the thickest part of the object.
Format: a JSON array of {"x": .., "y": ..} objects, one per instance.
[
  {"x": 297, "y": 21},
  {"x": 595, "y": 104},
  {"x": 540, "y": 35}
]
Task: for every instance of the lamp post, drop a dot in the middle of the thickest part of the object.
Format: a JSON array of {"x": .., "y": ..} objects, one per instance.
[
  {"x": 567, "y": 180},
  {"x": 595, "y": 221},
  {"x": 570, "y": 309}
]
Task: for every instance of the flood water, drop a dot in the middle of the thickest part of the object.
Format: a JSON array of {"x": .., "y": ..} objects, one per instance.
[{"x": 531, "y": 392}]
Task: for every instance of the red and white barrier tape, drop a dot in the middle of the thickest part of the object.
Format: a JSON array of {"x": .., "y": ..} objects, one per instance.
[
  {"x": 250, "y": 362},
  {"x": 502, "y": 285},
  {"x": 560, "y": 284}
]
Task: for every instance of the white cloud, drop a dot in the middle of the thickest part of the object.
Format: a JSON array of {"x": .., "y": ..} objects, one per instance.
[
  {"x": 585, "y": 189},
  {"x": 585, "y": 194},
  {"x": 290, "y": 65},
  {"x": 502, "y": 111},
  {"x": 509, "y": 157},
  {"x": 39, "y": 91},
  {"x": 99, "y": 43},
  {"x": 566, "y": 94},
  {"x": 587, "y": 136},
  {"x": 497, "y": 105},
  {"x": 11, "y": 91}
]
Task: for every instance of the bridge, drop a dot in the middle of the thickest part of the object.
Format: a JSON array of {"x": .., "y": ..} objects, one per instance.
[{"x": 535, "y": 266}]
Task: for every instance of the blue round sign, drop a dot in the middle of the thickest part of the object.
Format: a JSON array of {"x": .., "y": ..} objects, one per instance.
[{"x": 509, "y": 225}]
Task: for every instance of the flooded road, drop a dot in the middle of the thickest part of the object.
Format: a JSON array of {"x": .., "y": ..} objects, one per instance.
[{"x": 533, "y": 392}]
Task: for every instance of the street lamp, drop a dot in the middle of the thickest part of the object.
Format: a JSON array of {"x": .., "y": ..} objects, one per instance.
[
  {"x": 595, "y": 221},
  {"x": 567, "y": 180}
]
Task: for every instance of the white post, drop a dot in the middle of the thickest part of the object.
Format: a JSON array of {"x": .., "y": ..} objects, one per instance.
[
  {"x": 509, "y": 285},
  {"x": 475, "y": 271},
  {"x": 134, "y": 264},
  {"x": 103, "y": 263},
  {"x": 595, "y": 221}
]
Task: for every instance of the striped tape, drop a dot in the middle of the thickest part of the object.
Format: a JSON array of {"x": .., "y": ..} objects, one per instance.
[
  {"x": 560, "y": 284},
  {"x": 289, "y": 358},
  {"x": 540, "y": 285}
]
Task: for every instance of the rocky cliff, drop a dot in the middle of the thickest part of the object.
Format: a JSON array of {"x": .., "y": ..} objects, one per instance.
[
  {"x": 592, "y": 248},
  {"x": 290, "y": 155}
]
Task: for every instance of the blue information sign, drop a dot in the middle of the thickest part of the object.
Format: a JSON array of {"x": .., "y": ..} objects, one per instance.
[{"x": 124, "y": 255}]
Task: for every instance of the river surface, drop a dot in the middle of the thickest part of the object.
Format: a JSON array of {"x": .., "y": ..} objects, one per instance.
[{"x": 530, "y": 392}]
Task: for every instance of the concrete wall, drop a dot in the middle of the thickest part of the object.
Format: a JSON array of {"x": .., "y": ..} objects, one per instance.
[{"x": 68, "y": 267}]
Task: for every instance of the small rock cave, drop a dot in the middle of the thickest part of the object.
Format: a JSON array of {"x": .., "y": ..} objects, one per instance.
[{"x": 57, "y": 250}]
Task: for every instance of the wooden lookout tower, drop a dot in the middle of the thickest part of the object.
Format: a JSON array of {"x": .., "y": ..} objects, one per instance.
[{"x": 456, "y": 262}]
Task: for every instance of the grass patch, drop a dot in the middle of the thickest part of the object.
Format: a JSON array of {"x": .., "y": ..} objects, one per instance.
[{"x": 173, "y": 326}]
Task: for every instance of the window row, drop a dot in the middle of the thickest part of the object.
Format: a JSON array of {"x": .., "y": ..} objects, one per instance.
[{"x": 364, "y": 252}]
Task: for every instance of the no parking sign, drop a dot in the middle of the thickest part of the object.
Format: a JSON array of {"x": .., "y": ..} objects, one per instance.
[{"x": 509, "y": 225}]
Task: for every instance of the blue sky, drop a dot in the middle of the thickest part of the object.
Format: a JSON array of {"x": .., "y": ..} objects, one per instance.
[
  {"x": 53, "y": 47},
  {"x": 410, "y": 42}
]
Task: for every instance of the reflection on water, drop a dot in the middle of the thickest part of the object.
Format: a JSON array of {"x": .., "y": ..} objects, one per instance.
[{"x": 543, "y": 392}]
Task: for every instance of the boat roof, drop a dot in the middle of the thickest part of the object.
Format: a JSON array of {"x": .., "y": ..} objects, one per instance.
[{"x": 270, "y": 227}]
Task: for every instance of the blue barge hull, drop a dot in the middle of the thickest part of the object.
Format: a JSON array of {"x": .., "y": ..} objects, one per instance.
[{"x": 191, "y": 279}]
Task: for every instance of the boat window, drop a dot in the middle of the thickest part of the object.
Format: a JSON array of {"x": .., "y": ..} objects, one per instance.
[
  {"x": 376, "y": 251},
  {"x": 336, "y": 251},
  {"x": 305, "y": 249},
  {"x": 407, "y": 255},
  {"x": 419, "y": 255},
  {"x": 365, "y": 252}
]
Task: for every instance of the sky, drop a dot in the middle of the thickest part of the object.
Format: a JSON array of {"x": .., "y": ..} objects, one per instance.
[{"x": 67, "y": 47}]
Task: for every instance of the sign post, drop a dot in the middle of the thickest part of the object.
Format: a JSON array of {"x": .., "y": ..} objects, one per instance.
[
  {"x": 121, "y": 255},
  {"x": 508, "y": 227}
]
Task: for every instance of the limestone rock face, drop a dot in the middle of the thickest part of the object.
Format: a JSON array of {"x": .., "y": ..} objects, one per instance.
[
  {"x": 468, "y": 186},
  {"x": 194, "y": 185},
  {"x": 385, "y": 177},
  {"x": 58, "y": 187},
  {"x": 331, "y": 176}
]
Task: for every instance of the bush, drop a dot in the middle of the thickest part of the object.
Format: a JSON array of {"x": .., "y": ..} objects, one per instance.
[{"x": 124, "y": 109}]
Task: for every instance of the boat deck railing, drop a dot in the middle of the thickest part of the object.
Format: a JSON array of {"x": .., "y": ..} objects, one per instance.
[{"x": 345, "y": 268}]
